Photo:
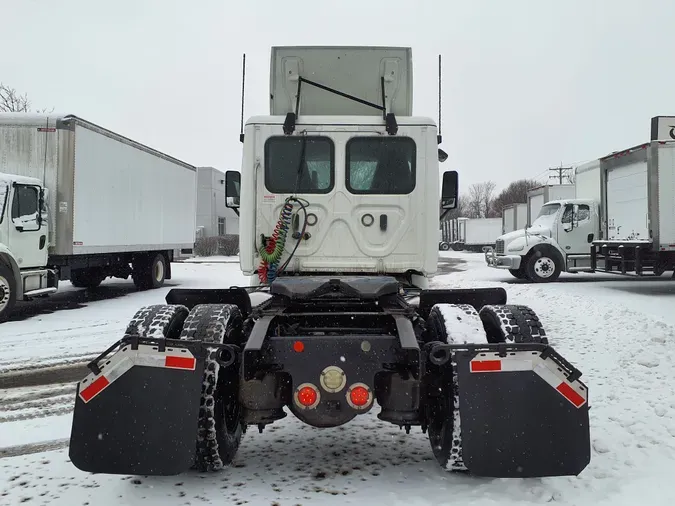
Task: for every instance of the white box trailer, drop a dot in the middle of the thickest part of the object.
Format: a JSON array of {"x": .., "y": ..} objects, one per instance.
[
  {"x": 638, "y": 198},
  {"x": 537, "y": 197},
  {"x": 514, "y": 217},
  {"x": 110, "y": 206},
  {"x": 477, "y": 234}
]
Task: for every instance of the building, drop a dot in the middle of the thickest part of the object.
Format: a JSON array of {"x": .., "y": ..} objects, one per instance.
[{"x": 213, "y": 218}]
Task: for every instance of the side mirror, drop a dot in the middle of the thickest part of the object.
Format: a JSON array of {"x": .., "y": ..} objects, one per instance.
[
  {"x": 567, "y": 227},
  {"x": 232, "y": 188},
  {"x": 449, "y": 190},
  {"x": 442, "y": 155}
]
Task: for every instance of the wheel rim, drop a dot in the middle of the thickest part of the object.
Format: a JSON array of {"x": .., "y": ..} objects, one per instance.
[
  {"x": 4, "y": 293},
  {"x": 159, "y": 271},
  {"x": 544, "y": 267}
]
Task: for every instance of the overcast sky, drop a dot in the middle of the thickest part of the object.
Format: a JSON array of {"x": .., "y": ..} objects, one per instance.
[{"x": 527, "y": 84}]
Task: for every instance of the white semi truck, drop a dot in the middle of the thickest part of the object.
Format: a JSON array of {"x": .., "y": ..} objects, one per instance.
[
  {"x": 338, "y": 187},
  {"x": 559, "y": 238},
  {"x": 81, "y": 203}
]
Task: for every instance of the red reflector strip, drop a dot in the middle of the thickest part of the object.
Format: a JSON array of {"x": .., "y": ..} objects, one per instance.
[
  {"x": 570, "y": 394},
  {"x": 95, "y": 388},
  {"x": 180, "y": 362},
  {"x": 486, "y": 365}
]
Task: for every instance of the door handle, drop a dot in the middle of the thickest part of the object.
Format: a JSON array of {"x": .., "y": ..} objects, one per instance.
[{"x": 383, "y": 222}]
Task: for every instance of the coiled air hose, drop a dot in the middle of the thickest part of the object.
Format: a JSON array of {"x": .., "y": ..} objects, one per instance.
[{"x": 271, "y": 252}]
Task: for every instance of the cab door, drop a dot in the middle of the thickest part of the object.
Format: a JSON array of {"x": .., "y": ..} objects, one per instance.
[
  {"x": 576, "y": 226},
  {"x": 27, "y": 230}
]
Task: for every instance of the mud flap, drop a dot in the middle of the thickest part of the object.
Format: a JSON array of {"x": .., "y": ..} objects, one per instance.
[
  {"x": 139, "y": 414},
  {"x": 521, "y": 415}
]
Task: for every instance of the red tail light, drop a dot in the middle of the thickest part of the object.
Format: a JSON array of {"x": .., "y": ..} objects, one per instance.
[
  {"x": 359, "y": 396},
  {"x": 307, "y": 396}
]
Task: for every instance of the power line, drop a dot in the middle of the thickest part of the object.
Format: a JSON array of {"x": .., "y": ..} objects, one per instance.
[{"x": 560, "y": 170}]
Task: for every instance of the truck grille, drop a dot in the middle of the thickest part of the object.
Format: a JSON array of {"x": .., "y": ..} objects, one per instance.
[{"x": 499, "y": 246}]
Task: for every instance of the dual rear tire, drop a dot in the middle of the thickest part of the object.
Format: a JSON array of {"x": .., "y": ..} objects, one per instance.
[
  {"x": 449, "y": 323},
  {"x": 220, "y": 427}
]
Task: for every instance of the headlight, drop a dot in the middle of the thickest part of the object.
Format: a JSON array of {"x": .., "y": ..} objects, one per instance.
[{"x": 516, "y": 248}]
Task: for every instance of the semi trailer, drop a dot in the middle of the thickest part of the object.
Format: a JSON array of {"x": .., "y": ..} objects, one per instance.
[
  {"x": 336, "y": 190},
  {"x": 80, "y": 203}
]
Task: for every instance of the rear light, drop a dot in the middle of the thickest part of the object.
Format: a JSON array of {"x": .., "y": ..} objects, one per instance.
[
  {"x": 359, "y": 396},
  {"x": 307, "y": 396},
  {"x": 333, "y": 379}
]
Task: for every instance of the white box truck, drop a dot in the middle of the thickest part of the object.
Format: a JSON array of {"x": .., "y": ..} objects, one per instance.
[
  {"x": 81, "y": 203},
  {"x": 560, "y": 235},
  {"x": 638, "y": 196},
  {"x": 514, "y": 217},
  {"x": 477, "y": 234}
]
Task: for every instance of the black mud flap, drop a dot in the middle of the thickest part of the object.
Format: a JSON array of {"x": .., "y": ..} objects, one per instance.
[
  {"x": 139, "y": 415},
  {"x": 522, "y": 415}
]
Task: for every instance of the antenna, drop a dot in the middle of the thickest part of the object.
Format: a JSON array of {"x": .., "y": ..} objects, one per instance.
[
  {"x": 440, "y": 137},
  {"x": 243, "y": 84}
]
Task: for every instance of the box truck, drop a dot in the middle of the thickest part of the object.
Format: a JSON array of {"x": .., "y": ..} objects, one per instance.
[
  {"x": 477, "y": 234},
  {"x": 560, "y": 235},
  {"x": 81, "y": 203},
  {"x": 638, "y": 196}
]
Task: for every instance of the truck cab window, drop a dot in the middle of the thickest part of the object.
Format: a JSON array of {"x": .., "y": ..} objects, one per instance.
[
  {"x": 379, "y": 165},
  {"x": 284, "y": 172},
  {"x": 4, "y": 192},
  {"x": 567, "y": 214},
  {"x": 25, "y": 203},
  {"x": 583, "y": 212}
]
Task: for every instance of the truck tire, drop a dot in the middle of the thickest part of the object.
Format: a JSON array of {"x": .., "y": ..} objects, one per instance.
[
  {"x": 542, "y": 266},
  {"x": 445, "y": 246},
  {"x": 86, "y": 278},
  {"x": 7, "y": 292},
  {"x": 512, "y": 324},
  {"x": 442, "y": 400},
  {"x": 161, "y": 320},
  {"x": 149, "y": 272},
  {"x": 220, "y": 426},
  {"x": 518, "y": 273}
]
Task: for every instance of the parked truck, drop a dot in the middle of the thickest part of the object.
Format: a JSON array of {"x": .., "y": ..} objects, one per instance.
[
  {"x": 559, "y": 238},
  {"x": 338, "y": 183},
  {"x": 477, "y": 234},
  {"x": 81, "y": 203},
  {"x": 638, "y": 196},
  {"x": 514, "y": 217}
]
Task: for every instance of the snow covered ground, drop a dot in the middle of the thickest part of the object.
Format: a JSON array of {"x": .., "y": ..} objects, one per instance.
[{"x": 619, "y": 332}]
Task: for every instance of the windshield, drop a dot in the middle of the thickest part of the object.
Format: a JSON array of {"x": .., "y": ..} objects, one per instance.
[{"x": 546, "y": 216}]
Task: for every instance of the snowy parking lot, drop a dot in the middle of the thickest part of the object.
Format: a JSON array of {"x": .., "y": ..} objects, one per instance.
[{"x": 619, "y": 331}]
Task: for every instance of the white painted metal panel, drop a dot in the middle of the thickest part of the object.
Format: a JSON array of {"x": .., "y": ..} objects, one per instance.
[
  {"x": 483, "y": 230},
  {"x": 127, "y": 199},
  {"x": 627, "y": 202},
  {"x": 560, "y": 192},
  {"x": 587, "y": 184},
  {"x": 508, "y": 219},
  {"x": 666, "y": 195},
  {"x": 356, "y": 71},
  {"x": 521, "y": 216},
  {"x": 535, "y": 203}
]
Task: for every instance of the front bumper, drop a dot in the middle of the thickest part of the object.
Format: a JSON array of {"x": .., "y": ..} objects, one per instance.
[{"x": 492, "y": 259}]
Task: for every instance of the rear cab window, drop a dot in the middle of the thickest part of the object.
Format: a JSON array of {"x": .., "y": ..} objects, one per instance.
[
  {"x": 381, "y": 165},
  {"x": 283, "y": 172}
]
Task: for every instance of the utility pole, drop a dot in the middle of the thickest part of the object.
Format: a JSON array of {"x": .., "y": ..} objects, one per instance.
[{"x": 560, "y": 170}]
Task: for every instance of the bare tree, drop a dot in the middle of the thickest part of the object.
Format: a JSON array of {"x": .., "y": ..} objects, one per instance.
[
  {"x": 479, "y": 200},
  {"x": 12, "y": 101},
  {"x": 488, "y": 197}
]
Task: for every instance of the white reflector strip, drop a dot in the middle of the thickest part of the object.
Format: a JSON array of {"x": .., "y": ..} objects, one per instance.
[
  {"x": 546, "y": 369},
  {"x": 125, "y": 359}
]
